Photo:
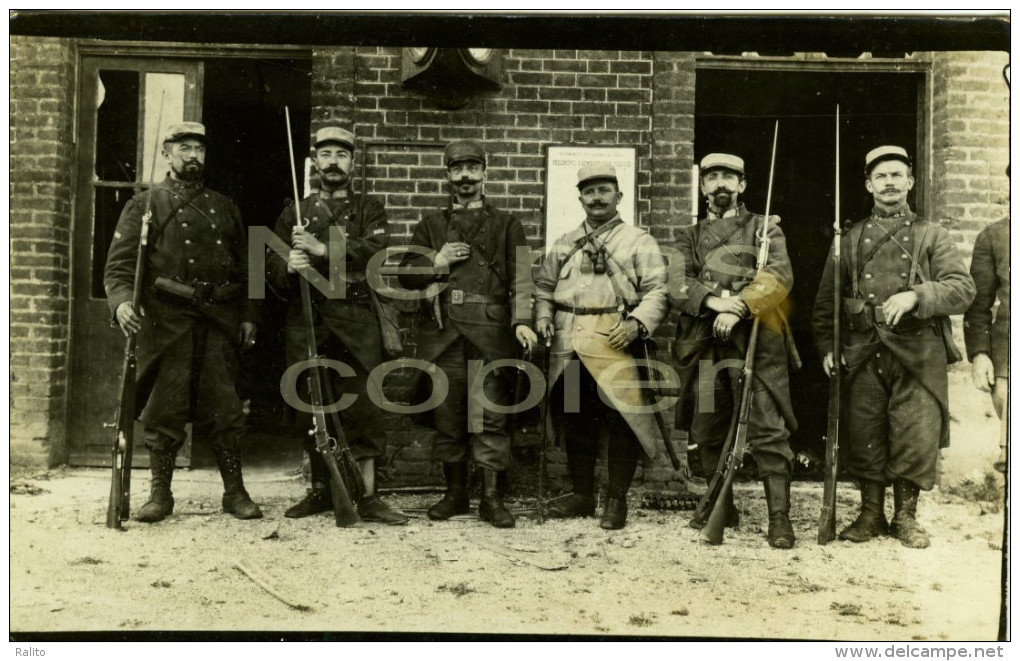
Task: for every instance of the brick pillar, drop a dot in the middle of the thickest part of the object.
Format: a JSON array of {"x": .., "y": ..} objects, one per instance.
[
  {"x": 42, "y": 102},
  {"x": 970, "y": 141},
  {"x": 672, "y": 142}
]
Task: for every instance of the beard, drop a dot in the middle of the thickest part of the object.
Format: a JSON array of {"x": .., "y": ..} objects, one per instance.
[
  {"x": 190, "y": 171},
  {"x": 722, "y": 199}
]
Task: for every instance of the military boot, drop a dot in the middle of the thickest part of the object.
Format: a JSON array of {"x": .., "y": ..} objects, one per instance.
[
  {"x": 161, "y": 500},
  {"x": 904, "y": 525},
  {"x": 614, "y": 516},
  {"x": 371, "y": 507},
  {"x": 871, "y": 522},
  {"x": 732, "y": 514},
  {"x": 491, "y": 508},
  {"x": 455, "y": 501},
  {"x": 777, "y": 496},
  {"x": 236, "y": 500},
  {"x": 319, "y": 497},
  {"x": 580, "y": 503}
]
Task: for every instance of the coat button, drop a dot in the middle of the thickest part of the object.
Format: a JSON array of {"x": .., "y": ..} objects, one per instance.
[
  {"x": 212, "y": 210},
  {"x": 184, "y": 224},
  {"x": 867, "y": 240},
  {"x": 867, "y": 224},
  {"x": 187, "y": 241},
  {"x": 480, "y": 281},
  {"x": 207, "y": 195},
  {"x": 214, "y": 225},
  {"x": 871, "y": 296},
  {"x": 219, "y": 242},
  {"x": 191, "y": 261},
  {"x": 904, "y": 256},
  {"x": 868, "y": 276},
  {"x": 907, "y": 223},
  {"x": 903, "y": 275},
  {"x": 481, "y": 262},
  {"x": 906, "y": 238}
]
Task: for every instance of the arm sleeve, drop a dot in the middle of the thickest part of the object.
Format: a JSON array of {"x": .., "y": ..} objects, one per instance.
[
  {"x": 519, "y": 273},
  {"x": 949, "y": 289},
  {"x": 546, "y": 277},
  {"x": 119, "y": 275},
  {"x": 977, "y": 321},
  {"x": 421, "y": 237},
  {"x": 280, "y": 280},
  {"x": 692, "y": 292},
  {"x": 650, "y": 266}
]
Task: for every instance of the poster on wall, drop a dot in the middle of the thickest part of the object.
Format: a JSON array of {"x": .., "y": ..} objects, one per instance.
[{"x": 563, "y": 212}]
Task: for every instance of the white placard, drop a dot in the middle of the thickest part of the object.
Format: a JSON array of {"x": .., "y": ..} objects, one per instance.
[{"x": 563, "y": 211}]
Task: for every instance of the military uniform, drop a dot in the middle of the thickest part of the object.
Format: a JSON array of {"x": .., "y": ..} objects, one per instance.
[
  {"x": 986, "y": 322},
  {"x": 897, "y": 402},
  {"x": 589, "y": 282},
  {"x": 470, "y": 314},
  {"x": 195, "y": 300},
  {"x": 347, "y": 328}
]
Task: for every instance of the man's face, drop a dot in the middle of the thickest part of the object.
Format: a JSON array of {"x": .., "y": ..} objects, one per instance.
[
  {"x": 186, "y": 158},
  {"x": 333, "y": 162},
  {"x": 722, "y": 187},
  {"x": 466, "y": 177},
  {"x": 600, "y": 199},
  {"x": 889, "y": 183}
]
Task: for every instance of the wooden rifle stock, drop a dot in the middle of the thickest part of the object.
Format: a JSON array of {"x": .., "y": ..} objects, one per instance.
[
  {"x": 827, "y": 516},
  {"x": 713, "y": 530},
  {"x": 119, "y": 507},
  {"x": 330, "y": 447}
]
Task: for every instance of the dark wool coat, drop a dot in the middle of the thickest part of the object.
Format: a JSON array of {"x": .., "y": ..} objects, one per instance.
[
  {"x": 986, "y": 323},
  {"x": 353, "y": 318},
  {"x": 923, "y": 339},
  {"x": 196, "y": 234},
  {"x": 720, "y": 254}
]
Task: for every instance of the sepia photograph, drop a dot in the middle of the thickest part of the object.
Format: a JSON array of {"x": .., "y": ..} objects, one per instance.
[{"x": 493, "y": 326}]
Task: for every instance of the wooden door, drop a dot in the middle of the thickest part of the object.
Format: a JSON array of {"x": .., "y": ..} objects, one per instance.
[{"x": 119, "y": 101}]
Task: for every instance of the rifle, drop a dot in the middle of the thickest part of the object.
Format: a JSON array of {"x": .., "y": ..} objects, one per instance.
[
  {"x": 644, "y": 370},
  {"x": 119, "y": 505},
  {"x": 330, "y": 447},
  {"x": 713, "y": 530},
  {"x": 827, "y": 517},
  {"x": 545, "y": 431}
]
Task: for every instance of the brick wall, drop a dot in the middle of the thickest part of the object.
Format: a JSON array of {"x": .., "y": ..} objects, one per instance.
[
  {"x": 42, "y": 101},
  {"x": 970, "y": 140}
]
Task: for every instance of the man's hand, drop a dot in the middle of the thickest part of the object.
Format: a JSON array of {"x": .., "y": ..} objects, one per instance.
[
  {"x": 127, "y": 319},
  {"x": 247, "y": 335},
  {"x": 302, "y": 240},
  {"x": 453, "y": 252},
  {"x": 526, "y": 337},
  {"x": 545, "y": 327},
  {"x": 898, "y": 305},
  {"x": 828, "y": 363},
  {"x": 623, "y": 333},
  {"x": 729, "y": 305},
  {"x": 297, "y": 260},
  {"x": 723, "y": 325},
  {"x": 982, "y": 372}
]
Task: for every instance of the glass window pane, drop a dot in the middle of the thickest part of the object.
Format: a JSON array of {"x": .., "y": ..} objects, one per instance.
[
  {"x": 168, "y": 87},
  {"x": 117, "y": 125}
]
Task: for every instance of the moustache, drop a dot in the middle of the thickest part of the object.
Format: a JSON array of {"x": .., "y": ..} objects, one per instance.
[
  {"x": 333, "y": 170},
  {"x": 598, "y": 205},
  {"x": 722, "y": 191},
  {"x": 467, "y": 180}
]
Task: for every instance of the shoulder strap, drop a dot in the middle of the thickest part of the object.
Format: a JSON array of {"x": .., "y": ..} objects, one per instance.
[
  {"x": 490, "y": 261},
  {"x": 854, "y": 237}
]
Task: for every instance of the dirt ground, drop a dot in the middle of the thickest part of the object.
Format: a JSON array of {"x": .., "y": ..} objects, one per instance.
[{"x": 68, "y": 572}]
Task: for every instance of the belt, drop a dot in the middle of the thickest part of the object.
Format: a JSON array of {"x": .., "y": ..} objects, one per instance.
[
  {"x": 460, "y": 297},
  {"x": 199, "y": 292},
  {"x": 586, "y": 311},
  {"x": 873, "y": 316}
]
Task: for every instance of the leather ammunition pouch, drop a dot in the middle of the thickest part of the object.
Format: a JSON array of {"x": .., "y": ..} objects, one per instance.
[
  {"x": 861, "y": 316},
  {"x": 197, "y": 292}
]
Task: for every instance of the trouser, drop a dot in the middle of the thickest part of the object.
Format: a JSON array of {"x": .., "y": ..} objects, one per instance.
[
  {"x": 585, "y": 428},
  {"x": 362, "y": 421},
  {"x": 767, "y": 434},
  {"x": 893, "y": 424},
  {"x": 490, "y": 447},
  {"x": 196, "y": 380}
]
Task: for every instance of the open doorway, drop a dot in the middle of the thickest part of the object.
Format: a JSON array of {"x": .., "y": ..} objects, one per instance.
[{"x": 736, "y": 110}]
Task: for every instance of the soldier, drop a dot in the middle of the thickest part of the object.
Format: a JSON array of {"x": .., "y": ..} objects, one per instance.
[
  {"x": 347, "y": 327},
  {"x": 986, "y": 323},
  {"x": 721, "y": 294},
  {"x": 194, "y": 319},
  {"x": 480, "y": 302},
  {"x": 601, "y": 288},
  {"x": 902, "y": 279}
]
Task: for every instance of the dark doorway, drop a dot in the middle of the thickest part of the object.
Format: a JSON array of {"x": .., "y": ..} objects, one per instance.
[
  {"x": 736, "y": 112},
  {"x": 243, "y": 109}
]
